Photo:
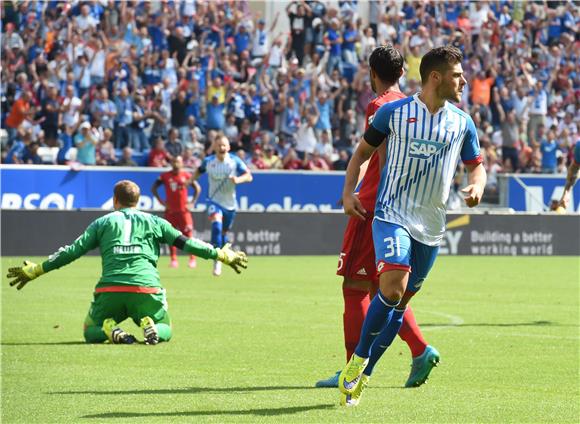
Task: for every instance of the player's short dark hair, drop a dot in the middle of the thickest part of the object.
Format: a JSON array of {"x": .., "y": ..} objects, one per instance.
[
  {"x": 387, "y": 62},
  {"x": 439, "y": 59},
  {"x": 127, "y": 193}
]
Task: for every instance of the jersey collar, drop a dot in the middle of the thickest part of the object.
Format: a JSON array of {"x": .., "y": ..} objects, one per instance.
[{"x": 424, "y": 106}]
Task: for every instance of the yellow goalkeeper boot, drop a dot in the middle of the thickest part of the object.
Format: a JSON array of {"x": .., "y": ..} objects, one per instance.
[
  {"x": 150, "y": 334},
  {"x": 115, "y": 334}
]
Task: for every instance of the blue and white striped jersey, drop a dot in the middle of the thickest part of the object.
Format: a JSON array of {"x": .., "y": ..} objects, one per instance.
[
  {"x": 423, "y": 150},
  {"x": 221, "y": 190}
]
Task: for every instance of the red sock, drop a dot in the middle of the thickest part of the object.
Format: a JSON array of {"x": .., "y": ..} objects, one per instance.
[
  {"x": 173, "y": 250},
  {"x": 411, "y": 333},
  {"x": 356, "y": 304}
]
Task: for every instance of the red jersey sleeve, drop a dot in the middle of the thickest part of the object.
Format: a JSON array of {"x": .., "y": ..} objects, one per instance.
[
  {"x": 371, "y": 109},
  {"x": 368, "y": 188}
]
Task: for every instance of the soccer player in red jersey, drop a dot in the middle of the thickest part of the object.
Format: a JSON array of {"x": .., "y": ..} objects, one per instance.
[
  {"x": 177, "y": 208},
  {"x": 356, "y": 262}
]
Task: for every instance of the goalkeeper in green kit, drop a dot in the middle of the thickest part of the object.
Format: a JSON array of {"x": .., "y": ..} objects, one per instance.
[{"x": 128, "y": 240}]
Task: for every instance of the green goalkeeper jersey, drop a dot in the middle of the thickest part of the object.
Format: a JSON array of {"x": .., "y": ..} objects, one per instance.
[{"x": 128, "y": 240}]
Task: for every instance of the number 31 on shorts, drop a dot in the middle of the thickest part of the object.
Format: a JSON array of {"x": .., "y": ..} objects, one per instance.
[{"x": 393, "y": 246}]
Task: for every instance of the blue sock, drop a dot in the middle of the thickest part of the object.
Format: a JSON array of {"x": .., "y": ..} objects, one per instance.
[
  {"x": 216, "y": 234},
  {"x": 384, "y": 340},
  {"x": 225, "y": 238},
  {"x": 378, "y": 316}
]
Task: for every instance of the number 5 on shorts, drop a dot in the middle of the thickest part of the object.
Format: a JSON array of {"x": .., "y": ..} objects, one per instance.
[
  {"x": 393, "y": 244},
  {"x": 341, "y": 261}
]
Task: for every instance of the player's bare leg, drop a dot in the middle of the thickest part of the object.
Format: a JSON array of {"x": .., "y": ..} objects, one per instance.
[
  {"x": 173, "y": 252},
  {"x": 192, "y": 262}
]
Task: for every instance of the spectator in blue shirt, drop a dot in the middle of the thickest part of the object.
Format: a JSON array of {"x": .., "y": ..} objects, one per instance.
[
  {"x": 242, "y": 39},
  {"x": 324, "y": 108},
  {"x": 348, "y": 46},
  {"x": 334, "y": 41},
  {"x": 156, "y": 31},
  {"x": 66, "y": 143},
  {"x": 549, "y": 149},
  {"x": 30, "y": 154},
  {"x": 124, "y": 119},
  {"x": 215, "y": 119},
  {"x": 85, "y": 142},
  {"x": 14, "y": 155},
  {"x": 104, "y": 109}
]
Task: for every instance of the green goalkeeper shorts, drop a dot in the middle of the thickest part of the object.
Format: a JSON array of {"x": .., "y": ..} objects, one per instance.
[{"x": 121, "y": 306}]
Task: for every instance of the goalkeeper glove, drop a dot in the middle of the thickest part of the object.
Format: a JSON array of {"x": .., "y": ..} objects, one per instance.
[
  {"x": 24, "y": 274},
  {"x": 232, "y": 258}
]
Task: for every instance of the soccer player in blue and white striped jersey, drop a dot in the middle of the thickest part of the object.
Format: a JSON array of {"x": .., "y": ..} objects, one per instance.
[
  {"x": 425, "y": 136},
  {"x": 224, "y": 172}
]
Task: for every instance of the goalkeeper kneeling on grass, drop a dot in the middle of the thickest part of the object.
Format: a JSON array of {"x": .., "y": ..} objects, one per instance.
[{"x": 129, "y": 241}]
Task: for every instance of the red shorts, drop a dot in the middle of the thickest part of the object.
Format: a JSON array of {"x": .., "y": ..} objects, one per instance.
[
  {"x": 182, "y": 221},
  {"x": 357, "y": 256}
]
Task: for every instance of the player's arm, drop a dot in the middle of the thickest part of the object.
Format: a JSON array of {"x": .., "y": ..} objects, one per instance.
[
  {"x": 243, "y": 173},
  {"x": 235, "y": 259},
  {"x": 246, "y": 177},
  {"x": 158, "y": 182},
  {"x": 65, "y": 255},
  {"x": 471, "y": 157},
  {"x": 477, "y": 178},
  {"x": 371, "y": 109},
  {"x": 350, "y": 202},
  {"x": 200, "y": 170},
  {"x": 196, "y": 190},
  {"x": 372, "y": 138},
  {"x": 571, "y": 178}
]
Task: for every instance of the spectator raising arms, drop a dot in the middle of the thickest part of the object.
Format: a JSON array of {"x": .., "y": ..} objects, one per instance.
[{"x": 205, "y": 68}]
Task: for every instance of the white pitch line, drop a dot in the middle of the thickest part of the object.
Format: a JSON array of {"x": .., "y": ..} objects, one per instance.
[
  {"x": 454, "y": 321},
  {"x": 540, "y": 336}
]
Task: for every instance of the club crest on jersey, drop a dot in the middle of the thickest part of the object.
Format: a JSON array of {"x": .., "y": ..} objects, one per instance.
[
  {"x": 411, "y": 120},
  {"x": 423, "y": 149}
]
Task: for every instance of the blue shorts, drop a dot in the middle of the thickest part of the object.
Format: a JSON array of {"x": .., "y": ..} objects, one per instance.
[
  {"x": 226, "y": 216},
  {"x": 396, "y": 249}
]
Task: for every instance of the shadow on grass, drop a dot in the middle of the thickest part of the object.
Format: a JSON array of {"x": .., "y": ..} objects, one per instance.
[
  {"x": 44, "y": 343},
  {"x": 503, "y": 324},
  {"x": 258, "y": 412},
  {"x": 184, "y": 390}
]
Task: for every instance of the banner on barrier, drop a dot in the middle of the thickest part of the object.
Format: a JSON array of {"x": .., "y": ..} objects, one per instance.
[
  {"x": 59, "y": 187},
  {"x": 535, "y": 193},
  {"x": 37, "y": 232}
]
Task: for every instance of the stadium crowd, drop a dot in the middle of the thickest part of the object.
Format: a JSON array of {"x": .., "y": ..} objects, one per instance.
[{"x": 136, "y": 82}]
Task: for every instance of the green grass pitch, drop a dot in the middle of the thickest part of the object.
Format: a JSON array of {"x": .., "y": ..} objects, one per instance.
[{"x": 249, "y": 348}]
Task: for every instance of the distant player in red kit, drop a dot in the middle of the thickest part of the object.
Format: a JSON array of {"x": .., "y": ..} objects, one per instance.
[
  {"x": 177, "y": 208},
  {"x": 356, "y": 262}
]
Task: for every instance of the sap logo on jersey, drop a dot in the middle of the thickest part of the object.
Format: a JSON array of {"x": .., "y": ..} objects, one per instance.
[{"x": 423, "y": 149}]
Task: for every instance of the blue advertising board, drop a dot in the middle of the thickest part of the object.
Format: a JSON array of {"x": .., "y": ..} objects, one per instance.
[
  {"x": 60, "y": 187},
  {"x": 534, "y": 193}
]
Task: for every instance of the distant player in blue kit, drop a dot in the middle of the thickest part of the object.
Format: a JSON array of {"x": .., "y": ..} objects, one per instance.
[
  {"x": 425, "y": 136},
  {"x": 224, "y": 172},
  {"x": 570, "y": 179}
]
